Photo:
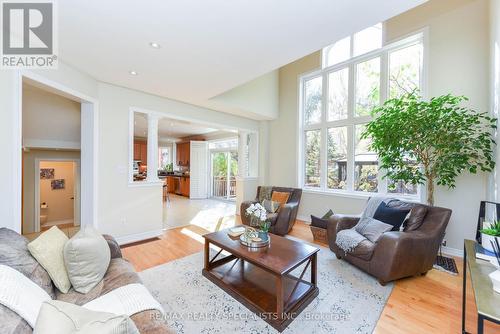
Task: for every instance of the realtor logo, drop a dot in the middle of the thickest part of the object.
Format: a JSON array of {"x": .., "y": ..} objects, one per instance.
[{"x": 28, "y": 34}]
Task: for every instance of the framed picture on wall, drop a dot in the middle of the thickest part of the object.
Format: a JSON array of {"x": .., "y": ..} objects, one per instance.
[
  {"x": 46, "y": 173},
  {"x": 57, "y": 184}
]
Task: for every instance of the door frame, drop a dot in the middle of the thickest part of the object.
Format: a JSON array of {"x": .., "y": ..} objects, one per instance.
[
  {"x": 88, "y": 146},
  {"x": 76, "y": 188}
]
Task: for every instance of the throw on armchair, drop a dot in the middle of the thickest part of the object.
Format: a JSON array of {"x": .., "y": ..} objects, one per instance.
[
  {"x": 281, "y": 221},
  {"x": 397, "y": 254}
]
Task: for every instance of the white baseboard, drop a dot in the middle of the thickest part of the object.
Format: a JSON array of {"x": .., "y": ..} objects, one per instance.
[
  {"x": 128, "y": 239},
  {"x": 452, "y": 251}
]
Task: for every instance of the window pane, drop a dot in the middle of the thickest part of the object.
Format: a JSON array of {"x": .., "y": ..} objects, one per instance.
[
  {"x": 337, "y": 158},
  {"x": 313, "y": 161},
  {"x": 338, "y": 94},
  {"x": 312, "y": 101},
  {"x": 367, "y": 86},
  {"x": 368, "y": 40},
  {"x": 404, "y": 70},
  {"x": 400, "y": 187},
  {"x": 338, "y": 52},
  {"x": 365, "y": 163}
]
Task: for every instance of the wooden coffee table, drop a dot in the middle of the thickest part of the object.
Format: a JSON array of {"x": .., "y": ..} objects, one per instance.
[{"x": 260, "y": 278}]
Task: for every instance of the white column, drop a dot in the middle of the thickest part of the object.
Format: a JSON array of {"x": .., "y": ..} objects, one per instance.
[
  {"x": 152, "y": 148},
  {"x": 242, "y": 154}
]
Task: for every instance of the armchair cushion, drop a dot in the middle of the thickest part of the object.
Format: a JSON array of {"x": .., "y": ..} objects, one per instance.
[
  {"x": 364, "y": 250},
  {"x": 394, "y": 216}
]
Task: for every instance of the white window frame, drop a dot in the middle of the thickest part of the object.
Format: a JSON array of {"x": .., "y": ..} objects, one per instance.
[{"x": 420, "y": 36}]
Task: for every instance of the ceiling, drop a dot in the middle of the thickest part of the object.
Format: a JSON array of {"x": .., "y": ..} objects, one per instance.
[
  {"x": 207, "y": 46},
  {"x": 171, "y": 129}
]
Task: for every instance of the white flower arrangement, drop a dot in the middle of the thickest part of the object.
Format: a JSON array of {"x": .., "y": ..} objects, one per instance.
[{"x": 258, "y": 211}]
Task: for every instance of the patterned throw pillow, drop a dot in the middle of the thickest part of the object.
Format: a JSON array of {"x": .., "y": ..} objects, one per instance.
[
  {"x": 270, "y": 206},
  {"x": 280, "y": 197},
  {"x": 265, "y": 193}
]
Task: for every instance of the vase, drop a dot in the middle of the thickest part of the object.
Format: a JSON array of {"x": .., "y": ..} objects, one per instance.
[
  {"x": 486, "y": 240},
  {"x": 495, "y": 279}
]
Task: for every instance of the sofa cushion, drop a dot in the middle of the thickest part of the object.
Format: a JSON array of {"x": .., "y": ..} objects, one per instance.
[
  {"x": 47, "y": 249},
  {"x": 394, "y": 216},
  {"x": 58, "y": 317},
  {"x": 416, "y": 218},
  {"x": 15, "y": 254},
  {"x": 86, "y": 256}
]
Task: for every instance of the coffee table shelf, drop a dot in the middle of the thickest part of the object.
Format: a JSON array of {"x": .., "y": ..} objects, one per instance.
[{"x": 250, "y": 277}]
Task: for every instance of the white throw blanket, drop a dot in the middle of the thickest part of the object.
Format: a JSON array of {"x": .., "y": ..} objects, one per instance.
[
  {"x": 348, "y": 239},
  {"x": 128, "y": 299},
  {"x": 20, "y": 294},
  {"x": 23, "y": 296}
]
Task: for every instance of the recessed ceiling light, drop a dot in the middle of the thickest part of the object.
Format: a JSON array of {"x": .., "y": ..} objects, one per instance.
[
  {"x": 154, "y": 45},
  {"x": 133, "y": 72}
]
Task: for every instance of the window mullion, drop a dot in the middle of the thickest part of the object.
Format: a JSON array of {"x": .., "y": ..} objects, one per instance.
[
  {"x": 350, "y": 128},
  {"x": 323, "y": 146},
  {"x": 384, "y": 94}
]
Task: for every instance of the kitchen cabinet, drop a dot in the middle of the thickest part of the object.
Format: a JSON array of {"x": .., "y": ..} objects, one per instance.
[
  {"x": 183, "y": 154},
  {"x": 184, "y": 186},
  {"x": 141, "y": 151},
  {"x": 171, "y": 184}
]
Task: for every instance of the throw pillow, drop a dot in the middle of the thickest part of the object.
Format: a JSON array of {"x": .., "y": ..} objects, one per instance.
[
  {"x": 57, "y": 317},
  {"x": 265, "y": 193},
  {"x": 270, "y": 206},
  {"x": 319, "y": 222},
  {"x": 328, "y": 214},
  {"x": 47, "y": 249},
  {"x": 372, "y": 229},
  {"x": 416, "y": 218},
  {"x": 390, "y": 215},
  {"x": 86, "y": 256},
  {"x": 280, "y": 197}
]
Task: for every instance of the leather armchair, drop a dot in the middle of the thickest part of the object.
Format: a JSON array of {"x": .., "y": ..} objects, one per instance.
[
  {"x": 282, "y": 221},
  {"x": 396, "y": 254}
]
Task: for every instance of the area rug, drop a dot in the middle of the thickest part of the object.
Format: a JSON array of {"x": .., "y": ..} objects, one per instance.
[{"x": 349, "y": 300}]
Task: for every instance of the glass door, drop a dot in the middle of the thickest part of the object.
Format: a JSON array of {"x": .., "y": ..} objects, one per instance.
[{"x": 224, "y": 171}]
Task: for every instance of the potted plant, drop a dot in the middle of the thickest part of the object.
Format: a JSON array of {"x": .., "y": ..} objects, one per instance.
[
  {"x": 489, "y": 234},
  {"x": 258, "y": 217},
  {"x": 431, "y": 142}
]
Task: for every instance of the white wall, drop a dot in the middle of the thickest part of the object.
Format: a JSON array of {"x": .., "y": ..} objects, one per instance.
[
  {"x": 258, "y": 98},
  {"x": 458, "y": 64},
  {"x": 50, "y": 120}
]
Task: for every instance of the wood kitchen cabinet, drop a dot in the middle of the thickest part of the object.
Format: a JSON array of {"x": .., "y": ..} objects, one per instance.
[
  {"x": 170, "y": 184},
  {"x": 184, "y": 186},
  {"x": 141, "y": 151},
  {"x": 183, "y": 154}
]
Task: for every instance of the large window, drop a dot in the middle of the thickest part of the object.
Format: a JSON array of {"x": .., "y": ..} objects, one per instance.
[{"x": 358, "y": 74}]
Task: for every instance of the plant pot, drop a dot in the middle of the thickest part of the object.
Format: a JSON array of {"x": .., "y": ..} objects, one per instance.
[
  {"x": 486, "y": 240},
  {"x": 495, "y": 279}
]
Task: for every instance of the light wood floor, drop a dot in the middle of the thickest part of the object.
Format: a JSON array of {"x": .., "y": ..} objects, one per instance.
[{"x": 420, "y": 305}]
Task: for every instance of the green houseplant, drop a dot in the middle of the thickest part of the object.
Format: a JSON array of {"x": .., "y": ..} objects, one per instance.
[
  {"x": 431, "y": 142},
  {"x": 489, "y": 234}
]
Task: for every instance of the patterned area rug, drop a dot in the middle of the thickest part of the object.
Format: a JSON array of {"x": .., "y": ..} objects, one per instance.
[{"x": 349, "y": 300}]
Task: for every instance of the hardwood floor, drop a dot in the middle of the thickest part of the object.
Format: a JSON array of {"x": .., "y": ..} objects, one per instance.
[{"x": 420, "y": 305}]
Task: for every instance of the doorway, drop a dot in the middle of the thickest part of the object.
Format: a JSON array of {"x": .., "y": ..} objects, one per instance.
[
  {"x": 224, "y": 168},
  {"x": 57, "y": 194}
]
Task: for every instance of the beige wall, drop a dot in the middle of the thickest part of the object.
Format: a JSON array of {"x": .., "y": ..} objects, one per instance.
[
  {"x": 458, "y": 57},
  {"x": 29, "y": 182},
  {"x": 50, "y": 120},
  {"x": 60, "y": 204}
]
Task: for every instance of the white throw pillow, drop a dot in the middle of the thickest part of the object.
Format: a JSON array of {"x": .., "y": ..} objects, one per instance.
[
  {"x": 20, "y": 294},
  {"x": 57, "y": 317},
  {"x": 86, "y": 256},
  {"x": 47, "y": 249}
]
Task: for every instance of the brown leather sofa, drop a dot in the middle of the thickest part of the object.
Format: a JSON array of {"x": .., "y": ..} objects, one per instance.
[
  {"x": 396, "y": 254},
  {"x": 282, "y": 221}
]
